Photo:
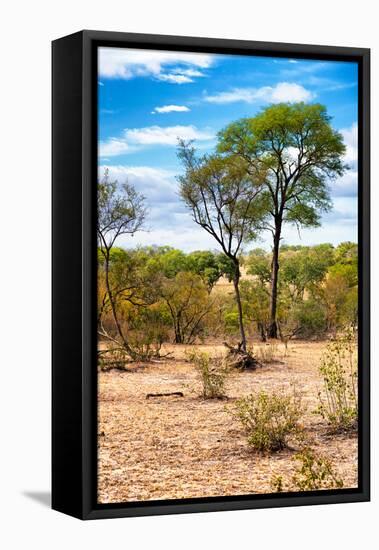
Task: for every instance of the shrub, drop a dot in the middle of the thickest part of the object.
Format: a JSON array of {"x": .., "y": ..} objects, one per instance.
[
  {"x": 339, "y": 400},
  {"x": 269, "y": 353},
  {"x": 112, "y": 358},
  {"x": 315, "y": 472},
  {"x": 311, "y": 317},
  {"x": 269, "y": 419},
  {"x": 277, "y": 484},
  {"x": 213, "y": 373}
]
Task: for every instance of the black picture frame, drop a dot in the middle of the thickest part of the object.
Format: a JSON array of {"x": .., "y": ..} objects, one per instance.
[{"x": 74, "y": 173}]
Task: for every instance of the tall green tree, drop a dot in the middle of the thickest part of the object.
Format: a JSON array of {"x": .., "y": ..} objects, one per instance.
[
  {"x": 224, "y": 200},
  {"x": 297, "y": 148}
]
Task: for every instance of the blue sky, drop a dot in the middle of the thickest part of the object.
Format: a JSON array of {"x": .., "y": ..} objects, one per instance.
[{"x": 147, "y": 99}]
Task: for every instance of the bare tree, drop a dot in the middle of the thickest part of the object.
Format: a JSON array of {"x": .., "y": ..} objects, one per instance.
[
  {"x": 121, "y": 211},
  {"x": 224, "y": 201}
]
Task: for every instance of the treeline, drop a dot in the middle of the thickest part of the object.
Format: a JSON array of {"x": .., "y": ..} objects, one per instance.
[
  {"x": 164, "y": 295},
  {"x": 317, "y": 290}
]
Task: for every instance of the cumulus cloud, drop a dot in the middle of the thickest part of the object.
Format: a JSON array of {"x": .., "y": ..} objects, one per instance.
[
  {"x": 174, "y": 67},
  {"x": 175, "y": 78},
  {"x": 168, "y": 221},
  {"x": 113, "y": 147},
  {"x": 283, "y": 91},
  {"x": 347, "y": 185},
  {"x": 156, "y": 184},
  {"x": 169, "y": 135},
  {"x": 170, "y": 109},
  {"x": 350, "y": 137},
  {"x": 133, "y": 138}
]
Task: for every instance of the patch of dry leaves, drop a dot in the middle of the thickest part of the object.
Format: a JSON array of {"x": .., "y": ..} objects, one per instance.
[{"x": 174, "y": 447}]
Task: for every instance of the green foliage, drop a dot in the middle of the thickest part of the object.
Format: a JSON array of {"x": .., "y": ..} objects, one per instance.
[
  {"x": 213, "y": 373},
  {"x": 188, "y": 303},
  {"x": 224, "y": 198},
  {"x": 315, "y": 472},
  {"x": 149, "y": 328},
  {"x": 231, "y": 321},
  {"x": 340, "y": 296},
  {"x": 303, "y": 268},
  {"x": 297, "y": 141},
  {"x": 258, "y": 265},
  {"x": 317, "y": 292},
  {"x": 277, "y": 484},
  {"x": 296, "y": 149},
  {"x": 309, "y": 316},
  {"x": 270, "y": 419},
  {"x": 210, "y": 266},
  {"x": 255, "y": 302},
  {"x": 339, "y": 398}
]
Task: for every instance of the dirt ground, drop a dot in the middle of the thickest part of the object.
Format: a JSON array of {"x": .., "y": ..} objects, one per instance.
[{"x": 184, "y": 447}]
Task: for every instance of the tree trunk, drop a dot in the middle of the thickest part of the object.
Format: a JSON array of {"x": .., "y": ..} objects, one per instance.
[
  {"x": 261, "y": 329},
  {"x": 273, "y": 327},
  {"x": 236, "y": 280},
  {"x": 125, "y": 343}
]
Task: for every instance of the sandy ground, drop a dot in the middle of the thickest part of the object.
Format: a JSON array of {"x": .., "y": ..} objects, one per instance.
[{"x": 183, "y": 447}]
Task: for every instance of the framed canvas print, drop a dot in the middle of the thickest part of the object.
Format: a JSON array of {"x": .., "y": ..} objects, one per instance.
[{"x": 210, "y": 275}]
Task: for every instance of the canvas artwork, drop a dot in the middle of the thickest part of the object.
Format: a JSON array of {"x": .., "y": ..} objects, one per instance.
[{"x": 227, "y": 275}]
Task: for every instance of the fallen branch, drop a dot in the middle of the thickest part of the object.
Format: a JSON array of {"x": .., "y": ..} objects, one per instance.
[{"x": 177, "y": 393}]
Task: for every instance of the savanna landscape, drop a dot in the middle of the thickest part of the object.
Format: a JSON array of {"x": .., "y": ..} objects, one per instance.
[{"x": 227, "y": 283}]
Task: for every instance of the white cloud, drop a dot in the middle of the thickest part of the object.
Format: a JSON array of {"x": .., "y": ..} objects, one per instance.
[
  {"x": 133, "y": 138},
  {"x": 193, "y": 72},
  {"x": 346, "y": 186},
  {"x": 156, "y": 184},
  {"x": 171, "y": 109},
  {"x": 169, "y": 135},
  {"x": 174, "y": 67},
  {"x": 350, "y": 137},
  {"x": 281, "y": 92},
  {"x": 175, "y": 78},
  {"x": 188, "y": 238},
  {"x": 113, "y": 147}
]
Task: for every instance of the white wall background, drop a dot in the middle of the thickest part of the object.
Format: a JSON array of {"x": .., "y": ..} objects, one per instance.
[{"x": 27, "y": 27}]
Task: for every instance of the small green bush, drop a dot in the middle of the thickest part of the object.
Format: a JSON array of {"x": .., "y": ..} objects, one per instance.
[
  {"x": 315, "y": 472},
  {"x": 213, "y": 373},
  {"x": 339, "y": 398},
  {"x": 277, "y": 484},
  {"x": 269, "y": 419}
]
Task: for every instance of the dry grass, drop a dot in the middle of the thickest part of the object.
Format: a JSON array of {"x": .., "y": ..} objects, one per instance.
[{"x": 173, "y": 447}]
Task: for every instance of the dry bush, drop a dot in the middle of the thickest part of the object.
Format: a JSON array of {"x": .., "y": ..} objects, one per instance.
[
  {"x": 213, "y": 373},
  {"x": 339, "y": 398},
  {"x": 270, "y": 419},
  {"x": 315, "y": 472},
  {"x": 113, "y": 358},
  {"x": 269, "y": 353}
]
